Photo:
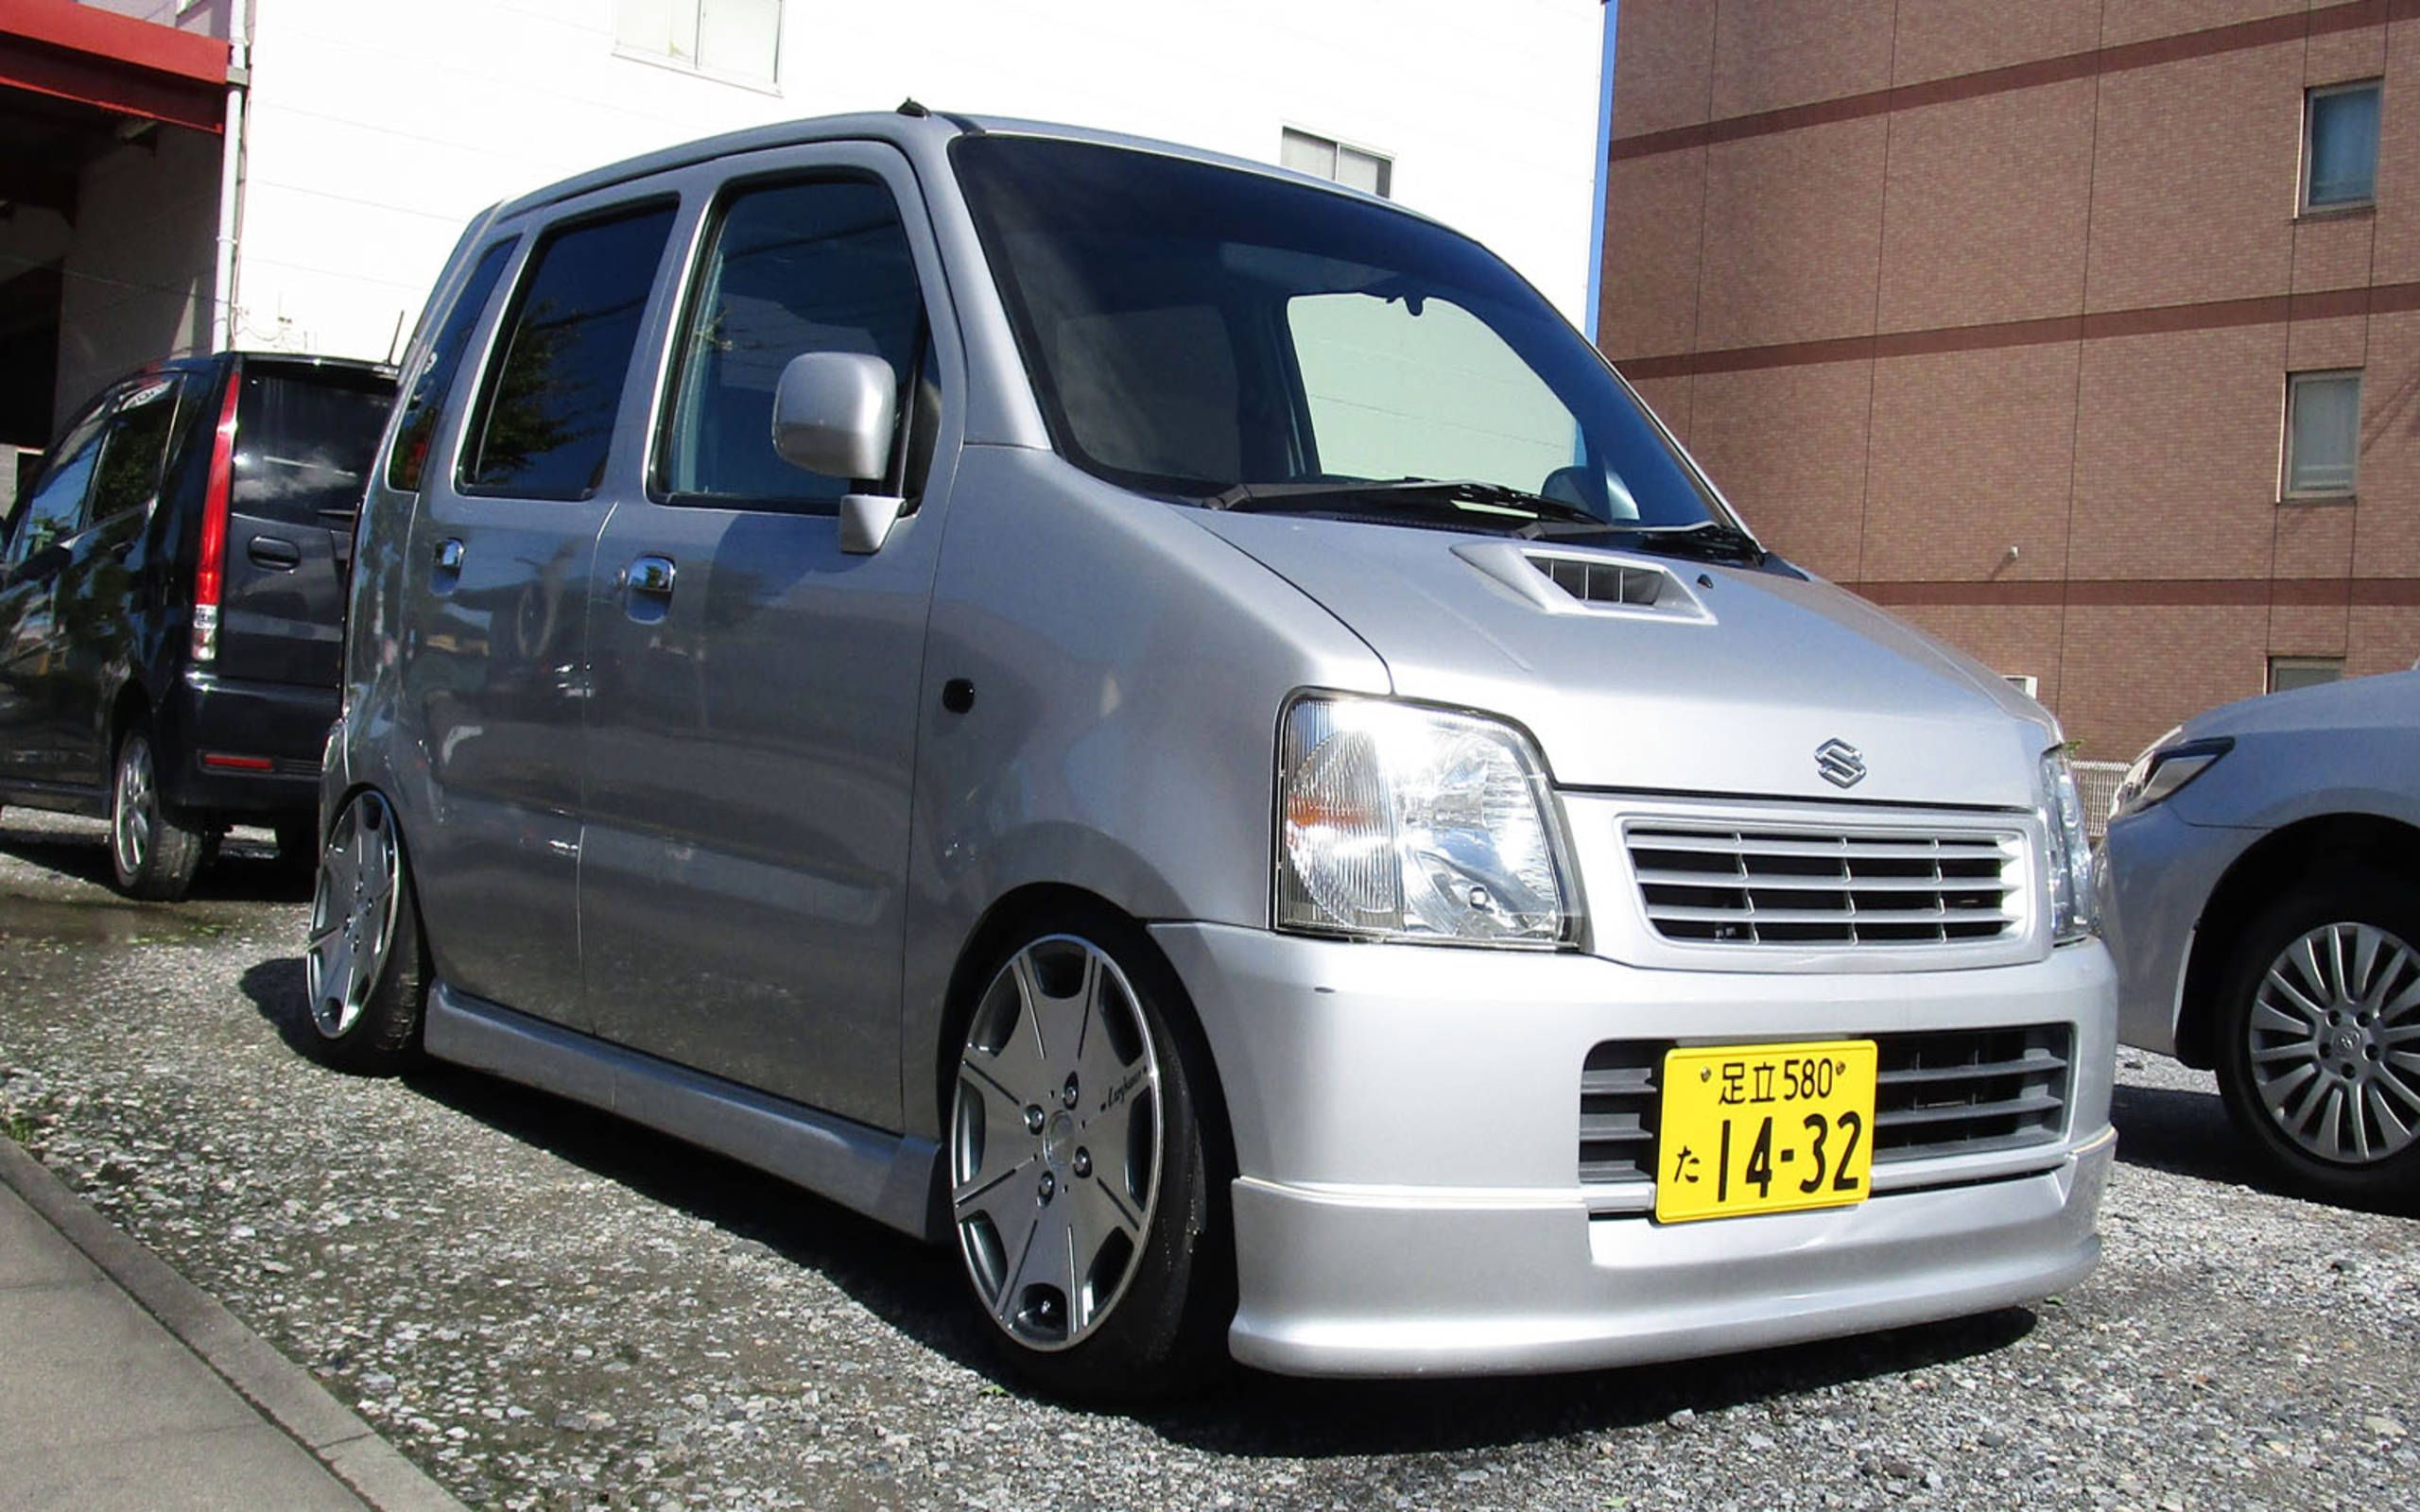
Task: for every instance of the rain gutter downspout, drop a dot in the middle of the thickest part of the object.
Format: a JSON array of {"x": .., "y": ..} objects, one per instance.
[
  {"x": 1604, "y": 155},
  {"x": 231, "y": 173}
]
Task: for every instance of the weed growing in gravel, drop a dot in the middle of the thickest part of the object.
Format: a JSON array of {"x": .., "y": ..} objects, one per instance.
[{"x": 14, "y": 1124}]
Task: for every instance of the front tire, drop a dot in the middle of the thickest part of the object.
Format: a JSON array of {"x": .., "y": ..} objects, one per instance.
[
  {"x": 2319, "y": 1037},
  {"x": 1088, "y": 1217},
  {"x": 151, "y": 854},
  {"x": 362, "y": 969}
]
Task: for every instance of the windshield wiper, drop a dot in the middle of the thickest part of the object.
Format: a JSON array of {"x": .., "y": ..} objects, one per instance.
[
  {"x": 1713, "y": 540},
  {"x": 1491, "y": 498}
]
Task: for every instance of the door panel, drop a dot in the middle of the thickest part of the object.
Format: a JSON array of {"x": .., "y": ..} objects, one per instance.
[
  {"x": 751, "y": 740},
  {"x": 496, "y": 586}
]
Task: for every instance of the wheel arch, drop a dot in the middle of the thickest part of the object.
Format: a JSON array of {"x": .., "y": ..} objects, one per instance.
[{"x": 2278, "y": 861}]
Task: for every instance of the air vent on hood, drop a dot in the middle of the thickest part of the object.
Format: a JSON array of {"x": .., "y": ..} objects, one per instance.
[{"x": 1604, "y": 582}]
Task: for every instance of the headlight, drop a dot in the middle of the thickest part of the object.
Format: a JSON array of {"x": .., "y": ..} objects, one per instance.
[
  {"x": 1399, "y": 823},
  {"x": 2165, "y": 765},
  {"x": 2071, "y": 860}
]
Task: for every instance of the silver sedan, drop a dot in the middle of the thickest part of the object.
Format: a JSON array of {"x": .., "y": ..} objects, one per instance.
[{"x": 2260, "y": 889}]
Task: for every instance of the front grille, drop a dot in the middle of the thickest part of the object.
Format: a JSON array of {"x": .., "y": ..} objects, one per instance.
[
  {"x": 1719, "y": 885},
  {"x": 1951, "y": 1092}
]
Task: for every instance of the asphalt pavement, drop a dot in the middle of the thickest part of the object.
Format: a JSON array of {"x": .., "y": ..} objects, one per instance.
[{"x": 542, "y": 1308}]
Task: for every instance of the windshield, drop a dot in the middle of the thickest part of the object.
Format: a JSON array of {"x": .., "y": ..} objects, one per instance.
[{"x": 1189, "y": 327}]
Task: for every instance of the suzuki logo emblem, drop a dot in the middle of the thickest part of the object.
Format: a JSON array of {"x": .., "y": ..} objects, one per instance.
[{"x": 1840, "y": 762}]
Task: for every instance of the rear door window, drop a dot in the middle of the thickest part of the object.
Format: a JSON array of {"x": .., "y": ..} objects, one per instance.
[
  {"x": 129, "y": 476},
  {"x": 793, "y": 267},
  {"x": 55, "y": 509},
  {"x": 546, "y": 422},
  {"x": 304, "y": 442}
]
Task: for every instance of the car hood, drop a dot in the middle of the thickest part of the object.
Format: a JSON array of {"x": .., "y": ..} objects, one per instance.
[
  {"x": 2386, "y": 703},
  {"x": 1729, "y": 681}
]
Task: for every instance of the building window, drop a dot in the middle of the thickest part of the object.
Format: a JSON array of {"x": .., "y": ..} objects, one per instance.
[
  {"x": 734, "y": 39},
  {"x": 2341, "y": 145},
  {"x": 2323, "y": 433},
  {"x": 2024, "y": 682},
  {"x": 2286, "y": 673},
  {"x": 1326, "y": 157}
]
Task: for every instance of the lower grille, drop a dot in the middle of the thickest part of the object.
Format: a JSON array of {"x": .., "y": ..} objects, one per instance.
[{"x": 1951, "y": 1092}]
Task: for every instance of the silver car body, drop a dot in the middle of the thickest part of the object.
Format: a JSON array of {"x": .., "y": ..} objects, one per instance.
[
  {"x": 2313, "y": 767},
  {"x": 729, "y": 889}
]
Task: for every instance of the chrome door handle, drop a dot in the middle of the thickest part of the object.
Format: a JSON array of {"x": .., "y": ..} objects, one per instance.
[
  {"x": 449, "y": 556},
  {"x": 650, "y": 575}
]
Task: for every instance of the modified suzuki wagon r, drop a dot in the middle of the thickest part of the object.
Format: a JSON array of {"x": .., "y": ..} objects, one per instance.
[{"x": 1173, "y": 726}]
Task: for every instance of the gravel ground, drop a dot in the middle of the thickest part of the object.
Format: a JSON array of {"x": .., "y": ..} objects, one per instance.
[{"x": 546, "y": 1309}]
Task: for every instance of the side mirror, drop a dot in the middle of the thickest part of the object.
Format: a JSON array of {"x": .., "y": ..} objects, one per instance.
[{"x": 832, "y": 413}]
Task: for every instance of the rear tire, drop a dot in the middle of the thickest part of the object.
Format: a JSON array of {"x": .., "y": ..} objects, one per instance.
[
  {"x": 1086, "y": 1189},
  {"x": 151, "y": 854},
  {"x": 2317, "y": 1035},
  {"x": 363, "y": 981}
]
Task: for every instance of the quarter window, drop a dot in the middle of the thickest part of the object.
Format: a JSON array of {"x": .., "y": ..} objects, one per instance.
[
  {"x": 435, "y": 381},
  {"x": 738, "y": 39},
  {"x": 1326, "y": 158},
  {"x": 129, "y": 477},
  {"x": 2341, "y": 145},
  {"x": 2323, "y": 433},
  {"x": 549, "y": 410},
  {"x": 796, "y": 268}
]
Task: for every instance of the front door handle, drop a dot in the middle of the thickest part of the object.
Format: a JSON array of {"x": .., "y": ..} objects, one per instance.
[
  {"x": 449, "y": 555},
  {"x": 652, "y": 576}
]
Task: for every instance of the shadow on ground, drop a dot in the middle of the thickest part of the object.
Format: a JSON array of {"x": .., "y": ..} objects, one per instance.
[
  {"x": 2185, "y": 1132},
  {"x": 245, "y": 871},
  {"x": 915, "y": 1289}
]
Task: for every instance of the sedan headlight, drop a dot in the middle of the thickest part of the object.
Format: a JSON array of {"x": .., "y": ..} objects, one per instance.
[
  {"x": 2070, "y": 859},
  {"x": 1400, "y": 822},
  {"x": 2165, "y": 765}
]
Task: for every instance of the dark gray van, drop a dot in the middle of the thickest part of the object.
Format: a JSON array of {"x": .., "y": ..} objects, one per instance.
[{"x": 172, "y": 609}]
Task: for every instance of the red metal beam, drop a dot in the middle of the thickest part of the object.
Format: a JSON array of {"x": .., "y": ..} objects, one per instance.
[{"x": 83, "y": 53}]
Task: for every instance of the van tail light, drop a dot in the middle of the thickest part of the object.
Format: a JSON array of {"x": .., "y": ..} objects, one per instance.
[{"x": 210, "y": 564}]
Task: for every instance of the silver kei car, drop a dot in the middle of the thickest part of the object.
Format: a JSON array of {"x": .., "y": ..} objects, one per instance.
[
  {"x": 1173, "y": 726},
  {"x": 2261, "y": 887}
]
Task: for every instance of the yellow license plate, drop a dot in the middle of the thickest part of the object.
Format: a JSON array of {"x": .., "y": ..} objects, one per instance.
[{"x": 1764, "y": 1128}]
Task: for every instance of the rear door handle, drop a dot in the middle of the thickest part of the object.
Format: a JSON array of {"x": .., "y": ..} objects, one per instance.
[
  {"x": 274, "y": 551},
  {"x": 449, "y": 556},
  {"x": 652, "y": 576}
]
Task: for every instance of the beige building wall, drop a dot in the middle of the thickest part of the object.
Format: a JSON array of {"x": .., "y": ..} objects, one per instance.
[{"x": 1986, "y": 310}]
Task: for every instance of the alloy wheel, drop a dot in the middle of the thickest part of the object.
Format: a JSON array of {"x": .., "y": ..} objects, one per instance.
[
  {"x": 353, "y": 913},
  {"x": 2335, "y": 1043},
  {"x": 130, "y": 813},
  {"x": 1055, "y": 1141}
]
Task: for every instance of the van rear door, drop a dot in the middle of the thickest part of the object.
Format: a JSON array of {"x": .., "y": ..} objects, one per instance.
[{"x": 305, "y": 434}]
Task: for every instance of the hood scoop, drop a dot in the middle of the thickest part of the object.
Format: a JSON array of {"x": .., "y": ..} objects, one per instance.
[{"x": 1560, "y": 581}]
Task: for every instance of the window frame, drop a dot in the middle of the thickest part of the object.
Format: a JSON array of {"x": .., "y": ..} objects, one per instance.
[
  {"x": 2286, "y": 492},
  {"x": 703, "y": 246},
  {"x": 523, "y": 265},
  {"x": 2304, "y": 205},
  {"x": 2302, "y": 663}
]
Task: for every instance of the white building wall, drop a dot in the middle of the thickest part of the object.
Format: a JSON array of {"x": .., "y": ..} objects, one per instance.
[{"x": 379, "y": 127}]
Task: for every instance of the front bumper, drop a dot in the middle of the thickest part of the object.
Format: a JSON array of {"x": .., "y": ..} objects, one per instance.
[{"x": 1406, "y": 1125}]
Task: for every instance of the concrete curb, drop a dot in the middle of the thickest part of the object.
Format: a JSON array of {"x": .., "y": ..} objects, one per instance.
[{"x": 282, "y": 1391}]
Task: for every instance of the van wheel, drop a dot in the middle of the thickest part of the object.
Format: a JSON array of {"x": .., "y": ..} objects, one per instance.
[
  {"x": 1081, "y": 1185},
  {"x": 2319, "y": 1037},
  {"x": 362, "y": 968},
  {"x": 151, "y": 854}
]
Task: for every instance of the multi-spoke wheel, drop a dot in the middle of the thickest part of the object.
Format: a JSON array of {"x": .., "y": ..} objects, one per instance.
[
  {"x": 1077, "y": 1167},
  {"x": 361, "y": 968},
  {"x": 151, "y": 853},
  {"x": 2320, "y": 1059}
]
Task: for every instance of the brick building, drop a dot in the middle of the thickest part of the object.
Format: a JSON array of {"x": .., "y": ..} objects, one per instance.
[{"x": 2082, "y": 333}]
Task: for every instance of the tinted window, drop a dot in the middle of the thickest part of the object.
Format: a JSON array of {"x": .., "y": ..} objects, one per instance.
[
  {"x": 798, "y": 268},
  {"x": 54, "y": 509},
  {"x": 303, "y": 444},
  {"x": 129, "y": 477},
  {"x": 548, "y": 411},
  {"x": 436, "y": 380}
]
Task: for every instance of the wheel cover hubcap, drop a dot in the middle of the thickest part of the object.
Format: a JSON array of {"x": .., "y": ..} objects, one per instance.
[
  {"x": 1055, "y": 1141},
  {"x": 2335, "y": 1043},
  {"x": 131, "y": 815},
  {"x": 353, "y": 913}
]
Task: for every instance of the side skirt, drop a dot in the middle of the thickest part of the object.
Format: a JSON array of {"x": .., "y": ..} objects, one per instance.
[{"x": 888, "y": 1177}]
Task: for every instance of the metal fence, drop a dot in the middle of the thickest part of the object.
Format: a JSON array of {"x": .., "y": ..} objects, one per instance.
[{"x": 2097, "y": 784}]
